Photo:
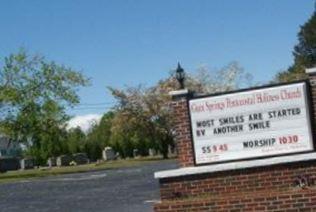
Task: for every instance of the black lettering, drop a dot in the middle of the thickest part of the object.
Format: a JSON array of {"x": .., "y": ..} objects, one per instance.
[
  {"x": 284, "y": 113},
  {"x": 255, "y": 116},
  {"x": 259, "y": 143},
  {"x": 200, "y": 132},
  {"x": 259, "y": 125},
  {"x": 227, "y": 129}
]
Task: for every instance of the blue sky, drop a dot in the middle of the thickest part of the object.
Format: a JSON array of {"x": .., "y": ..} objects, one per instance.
[{"x": 127, "y": 42}]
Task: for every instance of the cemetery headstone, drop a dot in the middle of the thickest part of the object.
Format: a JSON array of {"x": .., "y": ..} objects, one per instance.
[
  {"x": 108, "y": 154},
  {"x": 27, "y": 163},
  {"x": 135, "y": 153},
  {"x": 170, "y": 150},
  {"x": 51, "y": 162},
  {"x": 80, "y": 158},
  {"x": 152, "y": 152},
  {"x": 63, "y": 160}
]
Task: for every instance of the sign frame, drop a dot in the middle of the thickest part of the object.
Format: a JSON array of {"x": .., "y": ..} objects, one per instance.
[{"x": 309, "y": 108}]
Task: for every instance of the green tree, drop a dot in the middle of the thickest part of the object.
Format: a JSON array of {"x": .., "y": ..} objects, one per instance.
[
  {"x": 33, "y": 96},
  {"x": 99, "y": 136},
  {"x": 304, "y": 52},
  {"x": 143, "y": 118},
  {"x": 128, "y": 122},
  {"x": 76, "y": 140}
]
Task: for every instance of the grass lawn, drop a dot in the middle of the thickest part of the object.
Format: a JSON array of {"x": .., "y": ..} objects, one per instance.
[{"x": 18, "y": 175}]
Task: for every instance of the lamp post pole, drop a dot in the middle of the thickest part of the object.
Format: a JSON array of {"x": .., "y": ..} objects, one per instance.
[{"x": 180, "y": 76}]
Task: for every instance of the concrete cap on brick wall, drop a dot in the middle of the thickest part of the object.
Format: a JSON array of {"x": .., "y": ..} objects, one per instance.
[
  {"x": 310, "y": 70},
  {"x": 236, "y": 165},
  {"x": 179, "y": 92}
]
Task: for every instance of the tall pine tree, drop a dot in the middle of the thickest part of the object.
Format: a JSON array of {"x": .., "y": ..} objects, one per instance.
[{"x": 304, "y": 52}]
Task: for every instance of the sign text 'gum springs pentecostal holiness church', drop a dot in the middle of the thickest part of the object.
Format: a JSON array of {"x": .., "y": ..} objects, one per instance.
[{"x": 248, "y": 124}]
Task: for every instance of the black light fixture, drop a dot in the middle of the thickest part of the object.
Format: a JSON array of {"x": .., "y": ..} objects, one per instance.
[{"x": 180, "y": 76}]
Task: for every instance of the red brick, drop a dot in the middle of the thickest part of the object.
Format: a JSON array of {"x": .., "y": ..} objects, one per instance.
[{"x": 256, "y": 189}]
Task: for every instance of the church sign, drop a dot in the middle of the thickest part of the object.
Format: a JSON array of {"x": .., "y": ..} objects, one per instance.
[{"x": 261, "y": 122}]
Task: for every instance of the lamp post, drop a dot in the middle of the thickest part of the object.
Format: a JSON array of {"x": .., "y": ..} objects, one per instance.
[{"x": 180, "y": 76}]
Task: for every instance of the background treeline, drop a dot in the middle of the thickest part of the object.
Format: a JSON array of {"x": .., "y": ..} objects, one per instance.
[
  {"x": 142, "y": 117},
  {"x": 34, "y": 95}
]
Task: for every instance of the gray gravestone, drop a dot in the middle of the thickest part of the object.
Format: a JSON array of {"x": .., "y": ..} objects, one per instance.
[
  {"x": 152, "y": 152},
  {"x": 51, "y": 162},
  {"x": 27, "y": 163},
  {"x": 63, "y": 160},
  {"x": 170, "y": 150},
  {"x": 80, "y": 158},
  {"x": 135, "y": 153},
  {"x": 108, "y": 154}
]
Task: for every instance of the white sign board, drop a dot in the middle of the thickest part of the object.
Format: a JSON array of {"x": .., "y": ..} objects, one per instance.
[{"x": 248, "y": 124}]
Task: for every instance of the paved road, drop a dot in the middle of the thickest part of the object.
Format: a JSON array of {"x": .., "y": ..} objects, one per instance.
[{"x": 127, "y": 189}]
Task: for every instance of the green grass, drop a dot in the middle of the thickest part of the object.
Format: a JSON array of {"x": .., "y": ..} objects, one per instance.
[{"x": 19, "y": 175}]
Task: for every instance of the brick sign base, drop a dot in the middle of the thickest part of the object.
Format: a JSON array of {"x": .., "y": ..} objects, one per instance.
[{"x": 286, "y": 186}]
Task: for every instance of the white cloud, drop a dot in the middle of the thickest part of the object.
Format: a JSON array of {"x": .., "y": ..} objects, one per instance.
[{"x": 84, "y": 121}]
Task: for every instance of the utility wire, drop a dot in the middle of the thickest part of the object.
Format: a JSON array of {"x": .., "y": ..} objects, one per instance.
[
  {"x": 95, "y": 104},
  {"x": 92, "y": 108}
]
